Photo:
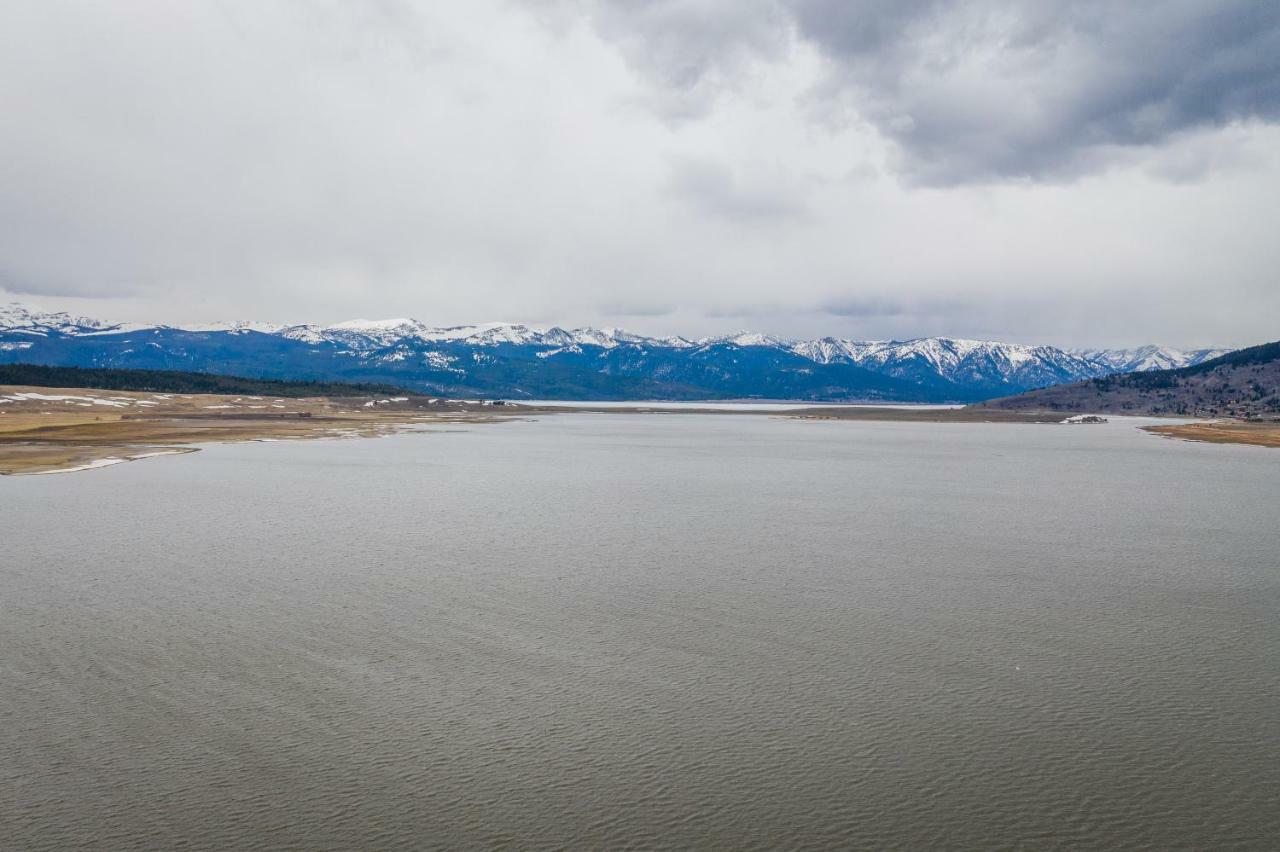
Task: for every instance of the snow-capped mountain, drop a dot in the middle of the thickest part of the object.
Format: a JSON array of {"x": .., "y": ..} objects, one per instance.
[
  {"x": 365, "y": 334},
  {"x": 1149, "y": 357},
  {"x": 513, "y": 360},
  {"x": 20, "y": 319},
  {"x": 960, "y": 361}
]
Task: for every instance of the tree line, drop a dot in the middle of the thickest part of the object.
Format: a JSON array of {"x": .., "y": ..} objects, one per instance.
[{"x": 174, "y": 381}]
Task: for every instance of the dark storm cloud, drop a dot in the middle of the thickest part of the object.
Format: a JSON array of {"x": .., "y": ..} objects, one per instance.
[
  {"x": 996, "y": 89},
  {"x": 692, "y": 49}
]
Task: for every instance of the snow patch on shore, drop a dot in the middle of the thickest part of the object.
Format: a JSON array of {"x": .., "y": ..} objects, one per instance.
[{"x": 96, "y": 463}]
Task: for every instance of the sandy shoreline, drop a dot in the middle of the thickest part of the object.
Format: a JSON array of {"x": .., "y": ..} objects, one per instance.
[{"x": 63, "y": 430}]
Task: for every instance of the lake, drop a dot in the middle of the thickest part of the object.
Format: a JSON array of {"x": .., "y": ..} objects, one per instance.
[{"x": 639, "y": 631}]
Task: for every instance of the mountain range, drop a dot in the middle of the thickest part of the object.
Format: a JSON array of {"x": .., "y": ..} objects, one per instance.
[
  {"x": 1240, "y": 384},
  {"x": 517, "y": 361}
]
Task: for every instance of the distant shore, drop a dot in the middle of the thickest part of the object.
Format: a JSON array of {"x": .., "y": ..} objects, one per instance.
[
  {"x": 894, "y": 412},
  {"x": 62, "y": 430},
  {"x": 1265, "y": 434}
]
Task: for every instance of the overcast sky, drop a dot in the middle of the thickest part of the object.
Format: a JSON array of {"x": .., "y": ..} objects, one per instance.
[{"x": 1076, "y": 173}]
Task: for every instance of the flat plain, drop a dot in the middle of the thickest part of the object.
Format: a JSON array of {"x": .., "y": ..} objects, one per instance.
[{"x": 44, "y": 430}]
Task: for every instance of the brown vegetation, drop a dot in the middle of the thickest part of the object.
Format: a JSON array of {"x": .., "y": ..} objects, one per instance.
[
  {"x": 1223, "y": 432},
  {"x": 44, "y": 430}
]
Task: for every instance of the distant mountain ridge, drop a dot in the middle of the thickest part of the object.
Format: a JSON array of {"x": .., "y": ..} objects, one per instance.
[
  {"x": 1144, "y": 358},
  {"x": 1242, "y": 384},
  {"x": 167, "y": 381},
  {"x": 519, "y": 361}
]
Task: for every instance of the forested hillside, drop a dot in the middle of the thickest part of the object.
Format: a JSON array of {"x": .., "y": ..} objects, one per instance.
[
  {"x": 1244, "y": 384},
  {"x": 172, "y": 381}
]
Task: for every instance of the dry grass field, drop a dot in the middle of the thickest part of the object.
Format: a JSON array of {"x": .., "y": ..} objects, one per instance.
[{"x": 1224, "y": 432}]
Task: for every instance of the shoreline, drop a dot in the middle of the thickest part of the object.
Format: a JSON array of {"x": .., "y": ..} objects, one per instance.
[
  {"x": 1222, "y": 432},
  {"x": 68, "y": 430}
]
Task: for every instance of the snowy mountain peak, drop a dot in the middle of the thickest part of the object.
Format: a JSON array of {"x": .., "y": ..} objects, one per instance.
[
  {"x": 943, "y": 363},
  {"x": 1149, "y": 357},
  {"x": 233, "y": 327},
  {"x": 376, "y": 325},
  {"x": 751, "y": 338},
  {"x": 744, "y": 338},
  {"x": 24, "y": 319}
]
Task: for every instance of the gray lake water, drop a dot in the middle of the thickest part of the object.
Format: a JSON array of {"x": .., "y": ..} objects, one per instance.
[{"x": 631, "y": 631}]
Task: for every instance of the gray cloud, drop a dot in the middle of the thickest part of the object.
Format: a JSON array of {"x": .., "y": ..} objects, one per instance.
[
  {"x": 908, "y": 316},
  {"x": 636, "y": 309},
  {"x": 1032, "y": 90},
  {"x": 715, "y": 191},
  {"x": 1031, "y": 171},
  {"x": 867, "y": 306},
  {"x": 692, "y": 48},
  {"x": 997, "y": 89},
  {"x": 69, "y": 286},
  {"x": 762, "y": 312}
]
